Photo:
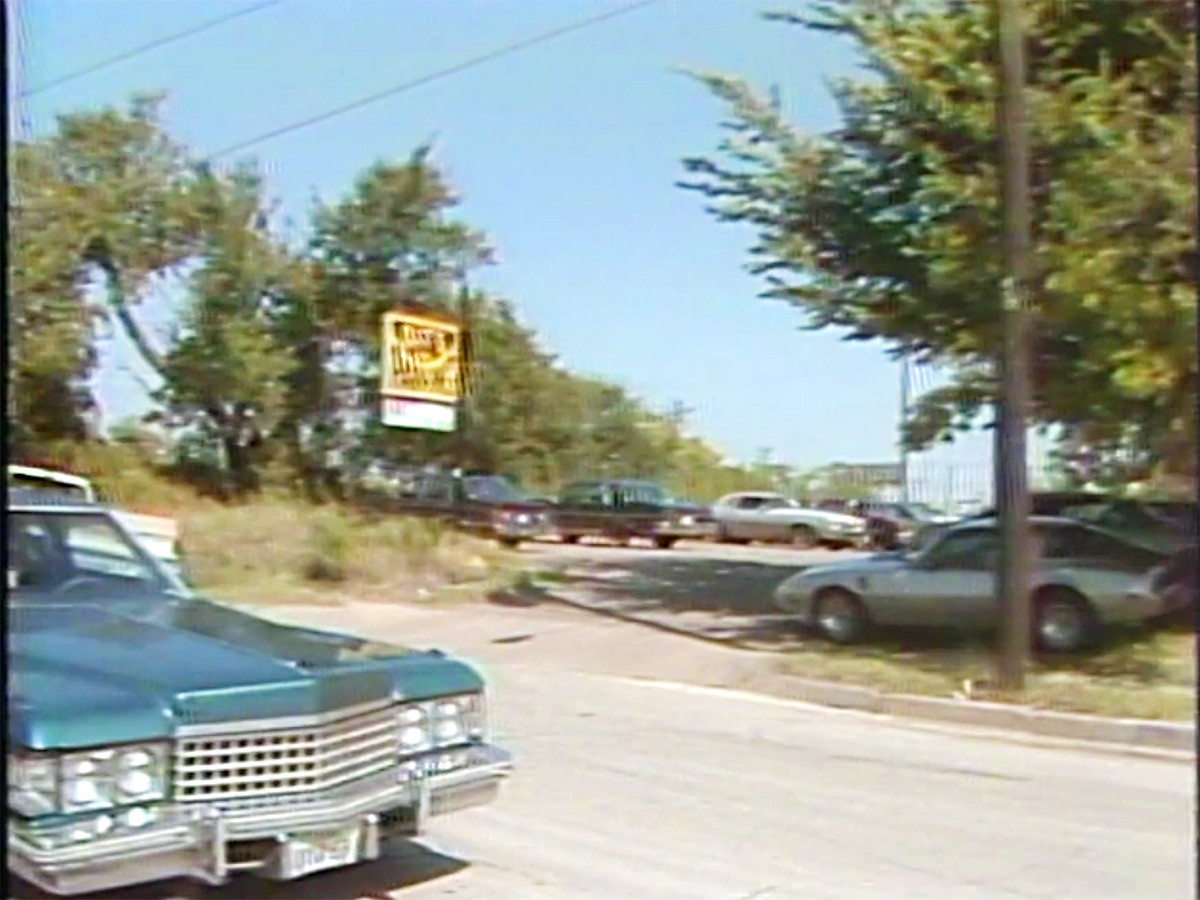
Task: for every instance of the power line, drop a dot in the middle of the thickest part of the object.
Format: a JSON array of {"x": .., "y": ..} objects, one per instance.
[
  {"x": 523, "y": 44},
  {"x": 147, "y": 47}
]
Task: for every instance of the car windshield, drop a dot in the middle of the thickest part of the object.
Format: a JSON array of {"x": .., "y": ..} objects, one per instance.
[
  {"x": 76, "y": 553},
  {"x": 492, "y": 489},
  {"x": 922, "y": 512}
]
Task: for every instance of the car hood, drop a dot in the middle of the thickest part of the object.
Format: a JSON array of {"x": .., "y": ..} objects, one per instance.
[
  {"x": 939, "y": 519},
  {"x": 82, "y": 675}
]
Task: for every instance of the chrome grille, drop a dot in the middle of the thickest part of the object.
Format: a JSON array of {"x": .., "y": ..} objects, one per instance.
[{"x": 285, "y": 761}]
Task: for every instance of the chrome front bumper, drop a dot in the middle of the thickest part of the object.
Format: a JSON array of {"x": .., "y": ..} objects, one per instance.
[
  {"x": 208, "y": 845},
  {"x": 527, "y": 531}
]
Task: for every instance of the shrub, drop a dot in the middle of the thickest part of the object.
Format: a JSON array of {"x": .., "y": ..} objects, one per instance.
[{"x": 329, "y": 544}]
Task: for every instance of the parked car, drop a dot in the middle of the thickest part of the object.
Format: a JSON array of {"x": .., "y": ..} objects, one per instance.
[
  {"x": 1176, "y": 583},
  {"x": 764, "y": 516},
  {"x": 1084, "y": 580},
  {"x": 159, "y": 534},
  {"x": 154, "y": 734},
  {"x": 891, "y": 526},
  {"x": 482, "y": 503},
  {"x": 1165, "y": 526},
  {"x": 626, "y": 509}
]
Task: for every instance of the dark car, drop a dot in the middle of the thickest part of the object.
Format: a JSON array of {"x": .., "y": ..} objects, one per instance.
[
  {"x": 1165, "y": 526},
  {"x": 891, "y": 526},
  {"x": 484, "y": 503},
  {"x": 625, "y": 509},
  {"x": 153, "y": 733}
]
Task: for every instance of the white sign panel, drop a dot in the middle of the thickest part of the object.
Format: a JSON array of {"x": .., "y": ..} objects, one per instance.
[{"x": 426, "y": 415}]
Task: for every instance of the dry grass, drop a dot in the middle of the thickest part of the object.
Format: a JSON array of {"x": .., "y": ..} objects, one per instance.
[
  {"x": 285, "y": 551},
  {"x": 1140, "y": 675},
  {"x": 280, "y": 549}
]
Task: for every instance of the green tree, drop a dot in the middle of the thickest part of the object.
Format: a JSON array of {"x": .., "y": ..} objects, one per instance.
[
  {"x": 108, "y": 192},
  {"x": 888, "y": 227},
  {"x": 228, "y": 366},
  {"x": 391, "y": 241}
]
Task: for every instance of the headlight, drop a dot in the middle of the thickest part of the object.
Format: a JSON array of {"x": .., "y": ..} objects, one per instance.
[
  {"x": 687, "y": 520},
  {"x": 108, "y": 777},
  {"x": 441, "y": 723},
  {"x": 141, "y": 775},
  {"x": 89, "y": 780},
  {"x": 414, "y": 729},
  {"x": 468, "y": 713},
  {"x": 32, "y": 785}
]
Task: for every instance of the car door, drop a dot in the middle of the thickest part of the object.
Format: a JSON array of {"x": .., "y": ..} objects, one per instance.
[
  {"x": 951, "y": 585},
  {"x": 636, "y": 510},
  {"x": 752, "y": 524},
  {"x": 567, "y": 511},
  {"x": 586, "y": 508}
]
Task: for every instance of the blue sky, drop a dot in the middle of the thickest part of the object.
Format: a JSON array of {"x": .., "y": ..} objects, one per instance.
[{"x": 565, "y": 153}]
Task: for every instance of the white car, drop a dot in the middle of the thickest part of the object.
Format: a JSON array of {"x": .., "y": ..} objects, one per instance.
[{"x": 763, "y": 516}]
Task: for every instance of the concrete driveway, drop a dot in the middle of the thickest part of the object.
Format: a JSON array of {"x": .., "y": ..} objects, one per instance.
[{"x": 645, "y": 789}]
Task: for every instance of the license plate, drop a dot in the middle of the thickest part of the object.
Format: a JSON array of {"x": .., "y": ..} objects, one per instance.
[{"x": 310, "y": 853}]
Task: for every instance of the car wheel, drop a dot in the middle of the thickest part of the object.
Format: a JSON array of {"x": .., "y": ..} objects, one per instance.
[
  {"x": 570, "y": 539},
  {"x": 841, "y": 616},
  {"x": 511, "y": 543},
  {"x": 1063, "y": 622},
  {"x": 804, "y": 537},
  {"x": 664, "y": 543}
]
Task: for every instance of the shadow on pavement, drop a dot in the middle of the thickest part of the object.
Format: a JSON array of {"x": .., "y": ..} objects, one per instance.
[
  {"x": 405, "y": 864},
  {"x": 727, "y": 600},
  {"x": 732, "y": 602}
]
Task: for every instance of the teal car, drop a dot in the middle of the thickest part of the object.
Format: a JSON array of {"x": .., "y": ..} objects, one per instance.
[{"x": 156, "y": 734}]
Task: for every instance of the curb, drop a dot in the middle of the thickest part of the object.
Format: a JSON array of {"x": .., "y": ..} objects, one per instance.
[{"x": 1151, "y": 734}]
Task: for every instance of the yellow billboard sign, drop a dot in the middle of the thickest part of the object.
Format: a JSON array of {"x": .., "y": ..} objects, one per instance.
[{"x": 422, "y": 358}]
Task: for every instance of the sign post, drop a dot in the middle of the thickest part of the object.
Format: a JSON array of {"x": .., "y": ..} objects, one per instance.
[{"x": 421, "y": 372}]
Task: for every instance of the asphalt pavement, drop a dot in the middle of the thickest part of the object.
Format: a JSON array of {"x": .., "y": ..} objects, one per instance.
[
  {"x": 720, "y": 591},
  {"x": 648, "y": 789}
]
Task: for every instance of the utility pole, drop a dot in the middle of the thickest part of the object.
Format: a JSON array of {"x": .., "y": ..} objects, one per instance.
[
  {"x": 904, "y": 404},
  {"x": 464, "y": 370},
  {"x": 1012, "y": 495}
]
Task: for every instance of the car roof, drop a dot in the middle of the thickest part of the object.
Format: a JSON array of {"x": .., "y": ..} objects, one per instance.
[{"x": 48, "y": 499}]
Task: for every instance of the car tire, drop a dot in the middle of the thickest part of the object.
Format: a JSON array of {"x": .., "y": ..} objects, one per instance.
[
  {"x": 840, "y": 616},
  {"x": 803, "y": 537},
  {"x": 664, "y": 543},
  {"x": 1063, "y": 622},
  {"x": 510, "y": 543},
  {"x": 570, "y": 538}
]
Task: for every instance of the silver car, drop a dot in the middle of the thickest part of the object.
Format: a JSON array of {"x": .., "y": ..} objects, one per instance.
[
  {"x": 764, "y": 516},
  {"x": 1084, "y": 579}
]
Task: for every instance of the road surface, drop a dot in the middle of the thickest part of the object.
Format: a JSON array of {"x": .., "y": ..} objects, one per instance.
[{"x": 641, "y": 790}]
